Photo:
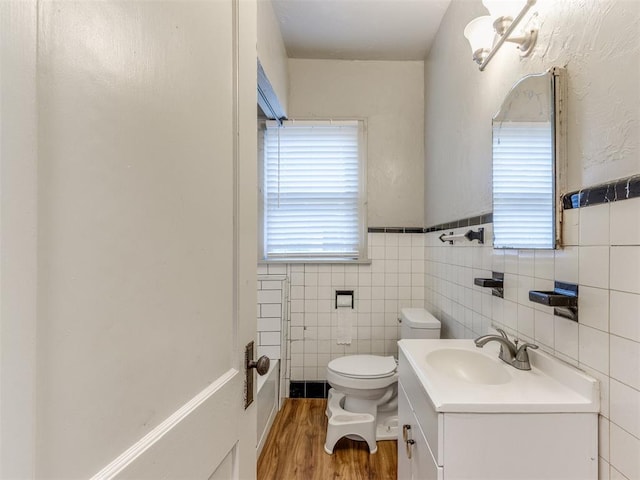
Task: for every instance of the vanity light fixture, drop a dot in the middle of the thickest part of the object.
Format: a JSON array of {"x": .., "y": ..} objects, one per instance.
[{"x": 487, "y": 34}]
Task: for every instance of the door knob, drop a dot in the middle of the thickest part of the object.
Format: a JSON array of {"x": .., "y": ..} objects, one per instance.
[{"x": 261, "y": 365}]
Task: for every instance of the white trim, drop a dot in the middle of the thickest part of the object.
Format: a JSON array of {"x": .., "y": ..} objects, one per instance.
[
  {"x": 236, "y": 353},
  {"x": 312, "y": 123},
  {"x": 272, "y": 278},
  {"x": 559, "y": 75},
  {"x": 18, "y": 237},
  {"x": 245, "y": 424},
  {"x": 146, "y": 442},
  {"x": 363, "y": 192},
  {"x": 315, "y": 260}
]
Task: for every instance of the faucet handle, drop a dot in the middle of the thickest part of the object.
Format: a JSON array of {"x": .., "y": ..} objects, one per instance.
[
  {"x": 503, "y": 333},
  {"x": 523, "y": 348},
  {"x": 521, "y": 362}
]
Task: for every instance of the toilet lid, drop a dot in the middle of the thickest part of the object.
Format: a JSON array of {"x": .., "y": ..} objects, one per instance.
[{"x": 367, "y": 366}]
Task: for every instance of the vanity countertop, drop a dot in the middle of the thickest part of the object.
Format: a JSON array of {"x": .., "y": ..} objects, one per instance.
[{"x": 551, "y": 386}]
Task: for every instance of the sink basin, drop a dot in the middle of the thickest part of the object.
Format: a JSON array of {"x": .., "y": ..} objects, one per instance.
[
  {"x": 459, "y": 377},
  {"x": 468, "y": 366}
]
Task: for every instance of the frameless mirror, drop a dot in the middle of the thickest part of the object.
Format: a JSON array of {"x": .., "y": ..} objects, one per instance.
[{"x": 528, "y": 163}]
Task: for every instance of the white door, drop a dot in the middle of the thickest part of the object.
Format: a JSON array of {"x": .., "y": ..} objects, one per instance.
[{"x": 143, "y": 265}]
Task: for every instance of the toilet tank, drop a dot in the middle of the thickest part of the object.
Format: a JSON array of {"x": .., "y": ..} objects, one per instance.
[{"x": 418, "y": 323}]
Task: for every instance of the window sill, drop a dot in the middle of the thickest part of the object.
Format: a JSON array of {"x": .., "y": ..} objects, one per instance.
[{"x": 365, "y": 261}]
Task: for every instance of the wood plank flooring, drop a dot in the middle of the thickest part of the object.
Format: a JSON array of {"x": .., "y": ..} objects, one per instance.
[{"x": 295, "y": 449}]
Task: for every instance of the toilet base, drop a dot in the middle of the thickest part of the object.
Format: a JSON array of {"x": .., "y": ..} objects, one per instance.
[
  {"x": 384, "y": 410},
  {"x": 387, "y": 426}
]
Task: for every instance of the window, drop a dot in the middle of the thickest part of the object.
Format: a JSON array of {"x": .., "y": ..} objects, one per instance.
[{"x": 313, "y": 197}]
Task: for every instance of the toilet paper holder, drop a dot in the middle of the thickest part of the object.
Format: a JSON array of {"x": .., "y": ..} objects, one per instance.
[{"x": 342, "y": 298}]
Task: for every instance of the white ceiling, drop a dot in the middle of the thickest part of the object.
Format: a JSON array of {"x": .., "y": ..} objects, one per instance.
[{"x": 359, "y": 29}]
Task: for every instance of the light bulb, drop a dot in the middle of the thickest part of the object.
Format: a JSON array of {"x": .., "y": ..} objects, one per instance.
[{"x": 480, "y": 34}]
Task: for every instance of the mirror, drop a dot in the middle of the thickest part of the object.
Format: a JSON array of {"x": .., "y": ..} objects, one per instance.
[{"x": 528, "y": 163}]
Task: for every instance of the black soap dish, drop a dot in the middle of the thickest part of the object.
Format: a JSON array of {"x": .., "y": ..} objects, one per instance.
[
  {"x": 489, "y": 282},
  {"x": 496, "y": 282},
  {"x": 564, "y": 299},
  {"x": 553, "y": 299}
]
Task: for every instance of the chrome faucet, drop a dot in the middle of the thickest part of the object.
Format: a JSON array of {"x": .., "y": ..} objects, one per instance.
[{"x": 510, "y": 352}]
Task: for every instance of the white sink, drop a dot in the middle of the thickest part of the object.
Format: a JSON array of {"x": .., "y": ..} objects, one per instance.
[
  {"x": 459, "y": 377},
  {"x": 468, "y": 366}
]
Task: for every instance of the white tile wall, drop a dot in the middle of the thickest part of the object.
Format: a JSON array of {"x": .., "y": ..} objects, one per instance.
[
  {"x": 602, "y": 254},
  {"x": 594, "y": 307},
  {"x": 272, "y": 310},
  {"x": 594, "y": 225},
  {"x": 625, "y": 407},
  {"x": 625, "y": 268},
  {"x": 463, "y": 308},
  {"x": 625, "y": 360},
  {"x": 624, "y": 452},
  {"x": 395, "y": 279},
  {"x": 624, "y": 313},
  {"x": 625, "y": 227},
  {"x": 594, "y": 266}
]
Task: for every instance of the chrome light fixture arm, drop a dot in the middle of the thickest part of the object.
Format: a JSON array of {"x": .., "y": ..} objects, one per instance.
[{"x": 526, "y": 43}]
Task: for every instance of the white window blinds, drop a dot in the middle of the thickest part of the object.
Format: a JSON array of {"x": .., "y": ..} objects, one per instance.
[
  {"x": 523, "y": 185},
  {"x": 313, "y": 191}
]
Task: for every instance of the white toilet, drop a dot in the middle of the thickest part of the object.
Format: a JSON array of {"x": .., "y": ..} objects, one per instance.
[{"x": 367, "y": 384}]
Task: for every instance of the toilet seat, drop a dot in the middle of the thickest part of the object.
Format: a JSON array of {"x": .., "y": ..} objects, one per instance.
[
  {"x": 363, "y": 366},
  {"x": 366, "y": 374}
]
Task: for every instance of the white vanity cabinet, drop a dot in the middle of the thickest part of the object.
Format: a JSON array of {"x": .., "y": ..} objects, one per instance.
[
  {"x": 492, "y": 445},
  {"x": 415, "y": 460}
]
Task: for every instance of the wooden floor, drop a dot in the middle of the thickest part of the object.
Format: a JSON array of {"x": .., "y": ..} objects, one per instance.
[{"x": 295, "y": 449}]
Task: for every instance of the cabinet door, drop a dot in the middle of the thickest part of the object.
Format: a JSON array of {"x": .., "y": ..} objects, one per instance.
[
  {"x": 415, "y": 461},
  {"x": 405, "y": 417}
]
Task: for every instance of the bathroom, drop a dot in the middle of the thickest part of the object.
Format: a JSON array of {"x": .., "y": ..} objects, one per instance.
[
  {"x": 429, "y": 168},
  {"x": 417, "y": 270}
]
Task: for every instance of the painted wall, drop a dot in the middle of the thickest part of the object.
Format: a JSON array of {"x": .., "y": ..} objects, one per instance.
[
  {"x": 272, "y": 53},
  {"x": 390, "y": 96},
  {"x": 599, "y": 43}
]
